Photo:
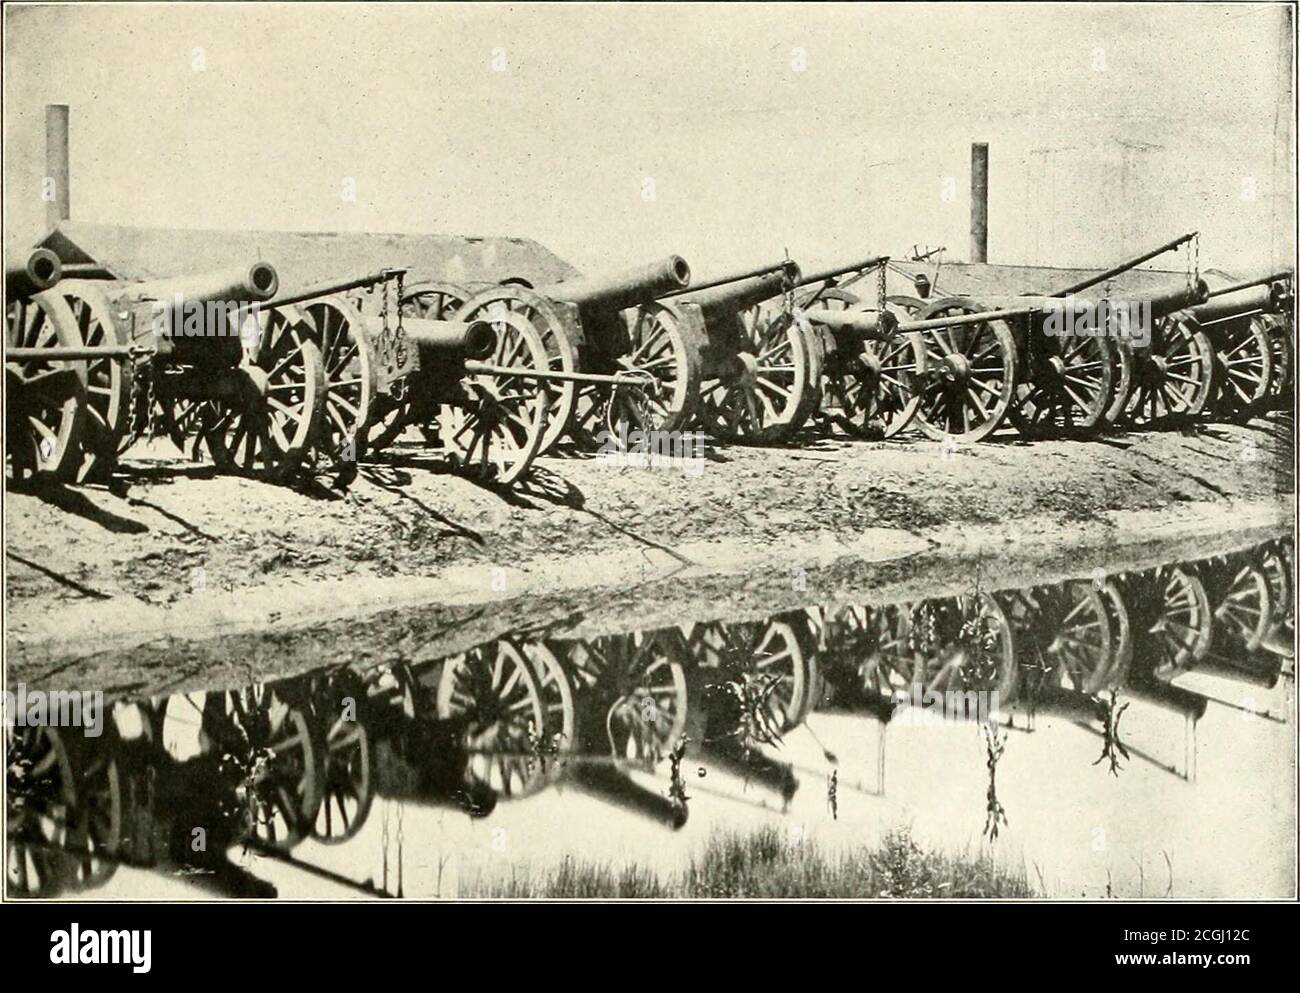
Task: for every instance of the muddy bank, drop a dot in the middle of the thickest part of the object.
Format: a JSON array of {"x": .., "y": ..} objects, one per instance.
[{"x": 175, "y": 573}]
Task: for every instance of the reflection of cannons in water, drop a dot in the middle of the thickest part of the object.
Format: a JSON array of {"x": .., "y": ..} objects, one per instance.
[
  {"x": 63, "y": 801},
  {"x": 957, "y": 652}
]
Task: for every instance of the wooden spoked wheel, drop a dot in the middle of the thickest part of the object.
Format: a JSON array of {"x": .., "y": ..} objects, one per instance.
[
  {"x": 269, "y": 427},
  {"x": 1184, "y": 625},
  {"x": 1084, "y": 643},
  {"x": 665, "y": 352},
  {"x": 498, "y": 425},
  {"x": 766, "y": 395},
  {"x": 891, "y": 659},
  {"x": 184, "y": 421},
  {"x": 108, "y": 380},
  {"x": 1243, "y": 365},
  {"x": 266, "y": 745},
  {"x": 553, "y": 327},
  {"x": 1121, "y": 628},
  {"x": 1071, "y": 389},
  {"x": 1245, "y": 613},
  {"x": 1279, "y": 333},
  {"x": 45, "y": 401},
  {"x": 493, "y": 691},
  {"x": 873, "y": 393},
  {"x": 559, "y": 724},
  {"x": 634, "y": 696},
  {"x": 977, "y": 646},
  {"x": 773, "y": 660},
  {"x": 348, "y": 789},
  {"x": 434, "y": 301},
  {"x": 971, "y": 373},
  {"x": 1175, "y": 382},
  {"x": 40, "y": 811},
  {"x": 351, "y": 376},
  {"x": 1277, "y": 570}
]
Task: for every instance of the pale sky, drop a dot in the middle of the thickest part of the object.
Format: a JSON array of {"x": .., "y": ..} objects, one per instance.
[{"x": 833, "y": 130}]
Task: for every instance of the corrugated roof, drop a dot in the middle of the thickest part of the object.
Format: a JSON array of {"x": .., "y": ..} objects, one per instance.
[{"x": 303, "y": 259}]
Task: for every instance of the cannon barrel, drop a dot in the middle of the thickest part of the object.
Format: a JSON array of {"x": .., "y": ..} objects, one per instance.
[
  {"x": 1261, "y": 298},
  {"x": 1167, "y": 697},
  {"x": 785, "y": 265},
  {"x": 1175, "y": 298},
  {"x": 856, "y": 325},
  {"x": 821, "y": 275},
  {"x": 624, "y": 289},
  {"x": 1123, "y": 267},
  {"x": 36, "y": 273},
  {"x": 470, "y": 340},
  {"x": 608, "y": 783},
  {"x": 743, "y": 293},
  {"x": 1282, "y": 276},
  {"x": 255, "y": 283}
]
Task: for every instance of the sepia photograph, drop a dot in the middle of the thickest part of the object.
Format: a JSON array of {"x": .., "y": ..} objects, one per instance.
[{"x": 650, "y": 452}]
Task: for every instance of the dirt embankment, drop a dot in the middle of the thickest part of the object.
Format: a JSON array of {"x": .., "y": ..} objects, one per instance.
[{"x": 119, "y": 586}]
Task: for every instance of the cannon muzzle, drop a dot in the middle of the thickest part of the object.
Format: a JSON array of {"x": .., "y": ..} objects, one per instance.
[
  {"x": 255, "y": 283},
  {"x": 608, "y": 783},
  {"x": 742, "y": 294},
  {"x": 34, "y": 274},
  {"x": 467, "y": 340},
  {"x": 1167, "y": 301},
  {"x": 1265, "y": 298},
  {"x": 856, "y": 325},
  {"x": 624, "y": 289}
]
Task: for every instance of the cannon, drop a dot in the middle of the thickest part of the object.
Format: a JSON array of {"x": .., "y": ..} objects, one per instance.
[
  {"x": 36, "y": 273},
  {"x": 1249, "y": 343},
  {"x": 379, "y": 361},
  {"x": 758, "y": 378},
  {"x": 869, "y": 374},
  {"x": 171, "y": 351},
  {"x": 994, "y": 359},
  {"x": 613, "y": 354}
]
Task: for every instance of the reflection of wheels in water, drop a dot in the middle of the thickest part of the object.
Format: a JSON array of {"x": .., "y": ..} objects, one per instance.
[
  {"x": 267, "y": 746},
  {"x": 1182, "y": 626},
  {"x": 1245, "y": 613},
  {"x": 1068, "y": 634},
  {"x": 494, "y": 691},
  {"x": 959, "y": 644},
  {"x": 632, "y": 693},
  {"x": 347, "y": 787},
  {"x": 770, "y": 663},
  {"x": 64, "y": 804},
  {"x": 40, "y": 802}
]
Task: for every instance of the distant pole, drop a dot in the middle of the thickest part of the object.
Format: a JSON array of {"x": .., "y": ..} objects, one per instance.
[
  {"x": 59, "y": 207},
  {"x": 979, "y": 201}
]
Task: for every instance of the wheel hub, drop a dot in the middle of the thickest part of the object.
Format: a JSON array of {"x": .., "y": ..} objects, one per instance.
[
  {"x": 747, "y": 373},
  {"x": 955, "y": 368}
]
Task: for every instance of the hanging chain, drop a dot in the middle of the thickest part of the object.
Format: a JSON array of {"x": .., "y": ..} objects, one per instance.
[
  {"x": 1196, "y": 244},
  {"x": 880, "y": 287}
]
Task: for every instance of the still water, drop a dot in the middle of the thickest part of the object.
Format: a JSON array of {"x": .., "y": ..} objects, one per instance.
[{"x": 1125, "y": 735}]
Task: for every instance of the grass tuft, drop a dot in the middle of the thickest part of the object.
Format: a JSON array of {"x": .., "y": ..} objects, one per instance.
[{"x": 766, "y": 864}]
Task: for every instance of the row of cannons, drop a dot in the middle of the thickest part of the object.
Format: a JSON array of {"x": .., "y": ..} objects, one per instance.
[
  {"x": 625, "y": 718},
  {"x": 491, "y": 376}
]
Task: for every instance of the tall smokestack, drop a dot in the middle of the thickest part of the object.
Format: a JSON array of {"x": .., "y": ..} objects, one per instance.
[
  {"x": 979, "y": 201},
  {"x": 59, "y": 208}
]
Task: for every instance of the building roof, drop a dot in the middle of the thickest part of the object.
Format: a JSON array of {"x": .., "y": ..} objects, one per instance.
[
  {"x": 303, "y": 259},
  {"x": 974, "y": 278}
]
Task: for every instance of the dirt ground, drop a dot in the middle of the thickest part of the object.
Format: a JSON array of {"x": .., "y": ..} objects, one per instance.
[{"x": 174, "y": 573}]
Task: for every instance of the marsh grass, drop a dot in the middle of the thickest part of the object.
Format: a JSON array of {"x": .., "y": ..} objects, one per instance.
[{"x": 768, "y": 864}]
